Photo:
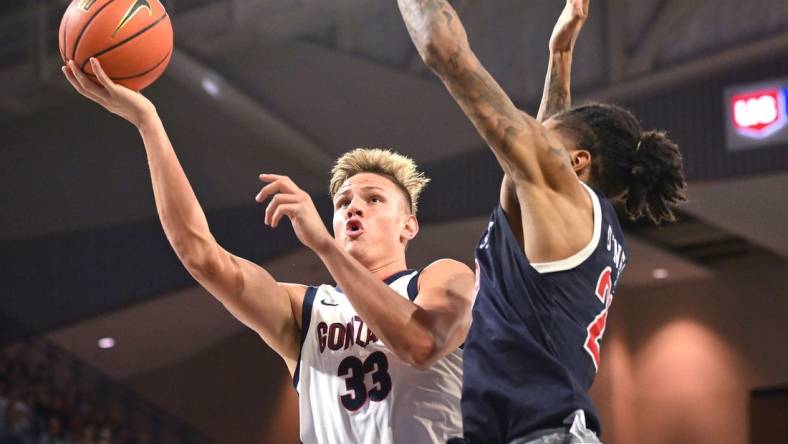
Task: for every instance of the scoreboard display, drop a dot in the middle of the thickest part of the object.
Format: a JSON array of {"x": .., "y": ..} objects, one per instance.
[{"x": 756, "y": 115}]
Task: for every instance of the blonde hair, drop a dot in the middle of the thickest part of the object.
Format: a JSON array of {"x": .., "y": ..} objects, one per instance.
[{"x": 399, "y": 169}]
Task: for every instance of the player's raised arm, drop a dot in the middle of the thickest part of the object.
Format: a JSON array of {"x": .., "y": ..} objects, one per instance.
[
  {"x": 556, "y": 96},
  {"x": 525, "y": 149},
  {"x": 243, "y": 287}
]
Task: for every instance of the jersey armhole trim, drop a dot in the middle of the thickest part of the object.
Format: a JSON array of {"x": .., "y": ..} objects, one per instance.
[
  {"x": 579, "y": 257},
  {"x": 306, "y": 318},
  {"x": 413, "y": 286}
]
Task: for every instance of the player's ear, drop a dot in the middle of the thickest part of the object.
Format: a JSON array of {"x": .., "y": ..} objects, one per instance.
[
  {"x": 580, "y": 160},
  {"x": 410, "y": 227}
]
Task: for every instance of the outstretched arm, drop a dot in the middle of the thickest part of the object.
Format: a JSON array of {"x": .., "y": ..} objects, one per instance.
[
  {"x": 559, "y": 217},
  {"x": 556, "y": 96},
  {"x": 244, "y": 288}
]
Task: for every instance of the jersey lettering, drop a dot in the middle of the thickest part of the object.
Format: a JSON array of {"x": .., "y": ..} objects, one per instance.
[
  {"x": 338, "y": 336},
  {"x": 619, "y": 255},
  {"x": 596, "y": 329}
]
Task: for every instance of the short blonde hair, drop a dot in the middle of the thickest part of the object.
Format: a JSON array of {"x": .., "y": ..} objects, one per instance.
[{"x": 399, "y": 169}]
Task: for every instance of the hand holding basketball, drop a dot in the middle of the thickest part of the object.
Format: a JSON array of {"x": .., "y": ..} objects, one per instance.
[
  {"x": 117, "y": 99},
  {"x": 132, "y": 38}
]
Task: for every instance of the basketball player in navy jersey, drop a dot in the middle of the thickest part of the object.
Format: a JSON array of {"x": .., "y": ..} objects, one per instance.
[
  {"x": 553, "y": 253},
  {"x": 376, "y": 358}
]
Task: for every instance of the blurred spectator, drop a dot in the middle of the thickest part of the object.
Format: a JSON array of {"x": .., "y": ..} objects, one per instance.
[
  {"x": 35, "y": 410},
  {"x": 54, "y": 434},
  {"x": 3, "y": 400},
  {"x": 47, "y": 400}
]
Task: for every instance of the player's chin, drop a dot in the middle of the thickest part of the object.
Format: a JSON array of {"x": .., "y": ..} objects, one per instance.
[
  {"x": 359, "y": 251},
  {"x": 352, "y": 244}
]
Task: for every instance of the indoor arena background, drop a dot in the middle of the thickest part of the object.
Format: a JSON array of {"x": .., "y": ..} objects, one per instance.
[{"x": 695, "y": 349}]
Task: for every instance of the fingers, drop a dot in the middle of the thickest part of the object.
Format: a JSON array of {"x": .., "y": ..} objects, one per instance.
[
  {"x": 82, "y": 79},
  {"x": 580, "y": 8},
  {"x": 86, "y": 87},
  {"x": 289, "y": 210},
  {"x": 267, "y": 191},
  {"x": 287, "y": 199},
  {"x": 278, "y": 201},
  {"x": 265, "y": 177},
  {"x": 75, "y": 83},
  {"x": 71, "y": 79},
  {"x": 277, "y": 184},
  {"x": 102, "y": 77}
]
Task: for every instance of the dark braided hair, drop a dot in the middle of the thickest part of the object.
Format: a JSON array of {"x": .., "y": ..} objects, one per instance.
[{"x": 645, "y": 167}]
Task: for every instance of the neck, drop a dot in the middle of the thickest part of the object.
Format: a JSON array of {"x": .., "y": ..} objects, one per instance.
[
  {"x": 585, "y": 176},
  {"x": 384, "y": 268}
]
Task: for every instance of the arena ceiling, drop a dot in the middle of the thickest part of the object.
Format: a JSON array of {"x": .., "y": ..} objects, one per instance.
[{"x": 285, "y": 86}]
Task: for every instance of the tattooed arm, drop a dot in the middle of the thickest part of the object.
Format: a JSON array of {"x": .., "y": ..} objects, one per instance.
[
  {"x": 556, "y": 95},
  {"x": 559, "y": 217},
  {"x": 526, "y": 150}
]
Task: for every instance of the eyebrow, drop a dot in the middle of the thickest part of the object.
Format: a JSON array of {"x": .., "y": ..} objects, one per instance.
[{"x": 364, "y": 188}]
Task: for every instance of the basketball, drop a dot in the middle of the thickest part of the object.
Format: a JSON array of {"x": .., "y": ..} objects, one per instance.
[{"x": 132, "y": 39}]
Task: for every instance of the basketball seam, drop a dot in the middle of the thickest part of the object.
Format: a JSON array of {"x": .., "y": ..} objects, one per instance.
[
  {"x": 85, "y": 28},
  {"x": 130, "y": 38},
  {"x": 62, "y": 47},
  {"x": 140, "y": 74}
]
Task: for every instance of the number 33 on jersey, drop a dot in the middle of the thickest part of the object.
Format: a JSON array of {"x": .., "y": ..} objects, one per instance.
[{"x": 354, "y": 389}]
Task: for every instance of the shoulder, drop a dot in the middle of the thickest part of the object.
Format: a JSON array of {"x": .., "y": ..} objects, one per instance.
[
  {"x": 295, "y": 291},
  {"x": 446, "y": 273},
  {"x": 445, "y": 266}
]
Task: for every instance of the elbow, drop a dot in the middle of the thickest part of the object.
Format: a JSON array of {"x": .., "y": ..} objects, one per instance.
[
  {"x": 197, "y": 256},
  {"x": 423, "y": 354},
  {"x": 434, "y": 55},
  {"x": 441, "y": 52}
]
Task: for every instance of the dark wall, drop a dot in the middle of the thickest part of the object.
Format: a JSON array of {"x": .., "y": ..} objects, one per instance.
[{"x": 236, "y": 392}]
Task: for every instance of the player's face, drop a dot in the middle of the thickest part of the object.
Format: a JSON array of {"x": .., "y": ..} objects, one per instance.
[{"x": 371, "y": 217}]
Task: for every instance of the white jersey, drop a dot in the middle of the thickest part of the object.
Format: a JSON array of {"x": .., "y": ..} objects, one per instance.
[{"x": 354, "y": 389}]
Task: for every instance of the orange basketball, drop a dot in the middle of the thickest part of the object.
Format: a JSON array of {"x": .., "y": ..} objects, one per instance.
[{"x": 131, "y": 38}]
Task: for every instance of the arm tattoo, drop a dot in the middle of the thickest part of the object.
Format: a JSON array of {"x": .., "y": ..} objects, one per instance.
[
  {"x": 484, "y": 101},
  {"x": 439, "y": 36},
  {"x": 558, "y": 97},
  {"x": 561, "y": 155}
]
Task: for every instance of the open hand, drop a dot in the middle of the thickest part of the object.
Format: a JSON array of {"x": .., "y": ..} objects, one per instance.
[
  {"x": 569, "y": 24},
  {"x": 291, "y": 201},
  {"x": 117, "y": 99}
]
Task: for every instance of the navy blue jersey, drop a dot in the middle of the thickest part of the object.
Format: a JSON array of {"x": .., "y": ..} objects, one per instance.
[{"x": 533, "y": 348}]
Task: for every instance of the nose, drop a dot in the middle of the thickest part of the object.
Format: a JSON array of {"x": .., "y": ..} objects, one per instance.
[{"x": 354, "y": 209}]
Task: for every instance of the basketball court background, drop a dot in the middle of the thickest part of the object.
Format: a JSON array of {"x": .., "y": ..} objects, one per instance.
[{"x": 285, "y": 86}]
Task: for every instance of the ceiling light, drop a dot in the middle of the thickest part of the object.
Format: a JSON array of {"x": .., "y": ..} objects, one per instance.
[
  {"x": 106, "y": 343},
  {"x": 211, "y": 87},
  {"x": 660, "y": 273}
]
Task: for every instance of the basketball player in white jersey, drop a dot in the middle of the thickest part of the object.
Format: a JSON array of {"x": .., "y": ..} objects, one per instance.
[{"x": 376, "y": 358}]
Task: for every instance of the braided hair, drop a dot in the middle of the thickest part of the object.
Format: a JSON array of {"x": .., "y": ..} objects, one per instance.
[{"x": 643, "y": 166}]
